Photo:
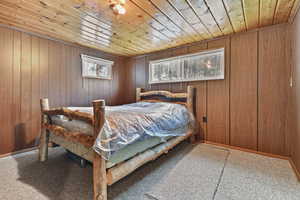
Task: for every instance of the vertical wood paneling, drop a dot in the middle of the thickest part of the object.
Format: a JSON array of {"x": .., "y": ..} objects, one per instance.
[
  {"x": 272, "y": 91},
  {"x": 68, "y": 66},
  {"x": 121, "y": 84},
  {"x": 130, "y": 81},
  {"x": 79, "y": 85},
  {"x": 32, "y": 68},
  {"x": 29, "y": 57},
  {"x": 63, "y": 75},
  {"x": 35, "y": 85},
  {"x": 26, "y": 91},
  {"x": 243, "y": 91},
  {"x": 293, "y": 119},
  {"x": 231, "y": 105},
  {"x": 140, "y": 68},
  {"x": 289, "y": 62},
  {"x": 6, "y": 96},
  {"x": 54, "y": 74},
  {"x": 44, "y": 68},
  {"x": 218, "y": 99},
  {"x": 16, "y": 109}
]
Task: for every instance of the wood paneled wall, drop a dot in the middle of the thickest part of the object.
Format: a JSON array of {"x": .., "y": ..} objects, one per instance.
[
  {"x": 244, "y": 88},
  {"x": 293, "y": 119},
  {"x": 273, "y": 87},
  {"x": 248, "y": 108},
  {"x": 32, "y": 67}
]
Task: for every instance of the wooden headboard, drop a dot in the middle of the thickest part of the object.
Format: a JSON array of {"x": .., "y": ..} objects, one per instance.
[{"x": 185, "y": 98}]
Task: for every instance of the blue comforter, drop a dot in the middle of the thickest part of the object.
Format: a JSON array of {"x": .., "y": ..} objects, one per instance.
[{"x": 129, "y": 123}]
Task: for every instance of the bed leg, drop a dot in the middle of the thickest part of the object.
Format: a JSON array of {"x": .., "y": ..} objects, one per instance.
[
  {"x": 44, "y": 138},
  {"x": 192, "y": 139},
  {"x": 99, "y": 164},
  {"x": 43, "y": 149},
  {"x": 99, "y": 178}
]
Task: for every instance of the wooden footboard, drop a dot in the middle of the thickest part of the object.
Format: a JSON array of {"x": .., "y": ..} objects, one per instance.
[
  {"x": 96, "y": 120},
  {"x": 101, "y": 175}
]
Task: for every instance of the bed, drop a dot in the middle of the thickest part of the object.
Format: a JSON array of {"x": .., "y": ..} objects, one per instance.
[{"x": 120, "y": 139}]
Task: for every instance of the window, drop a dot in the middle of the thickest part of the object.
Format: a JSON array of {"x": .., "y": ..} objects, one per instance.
[
  {"x": 208, "y": 65},
  {"x": 93, "y": 67}
]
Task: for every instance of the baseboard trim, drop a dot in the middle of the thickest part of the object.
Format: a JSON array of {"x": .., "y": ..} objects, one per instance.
[
  {"x": 297, "y": 173},
  {"x": 18, "y": 152},
  {"x": 248, "y": 150}
]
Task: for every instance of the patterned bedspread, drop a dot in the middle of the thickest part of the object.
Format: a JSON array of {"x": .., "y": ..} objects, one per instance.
[{"x": 130, "y": 123}]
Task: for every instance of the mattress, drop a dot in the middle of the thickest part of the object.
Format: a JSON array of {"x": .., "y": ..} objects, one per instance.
[
  {"x": 133, "y": 149},
  {"x": 124, "y": 154},
  {"x": 131, "y": 123}
]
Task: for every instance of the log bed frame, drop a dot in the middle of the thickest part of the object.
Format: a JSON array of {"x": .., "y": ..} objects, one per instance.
[{"x": 72, "y": 141}]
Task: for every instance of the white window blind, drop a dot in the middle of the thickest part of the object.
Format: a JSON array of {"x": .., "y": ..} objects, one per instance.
[{"x": 207, "y": 65}]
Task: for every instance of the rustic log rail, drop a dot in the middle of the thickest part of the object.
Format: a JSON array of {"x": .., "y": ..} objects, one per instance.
[
  {"x": 70, "y": 114},
  {"x": 162, "y": 93},
  {"x": 117, "y": 173},
  {"x": 82, "y": 138},
  {"x": 102, "y": 177}
]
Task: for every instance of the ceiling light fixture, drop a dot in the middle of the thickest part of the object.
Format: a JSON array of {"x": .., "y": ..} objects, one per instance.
[{"x": 118, "y": 6}]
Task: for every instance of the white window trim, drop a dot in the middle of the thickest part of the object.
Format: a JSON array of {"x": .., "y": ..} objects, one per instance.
[
  {"x": 203, "y": 53},
  {"x": 87, "y": 59}
]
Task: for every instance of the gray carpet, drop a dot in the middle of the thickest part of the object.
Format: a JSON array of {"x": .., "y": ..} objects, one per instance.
[
  {"x": 245, "y": 176},
  {"x": 187, "y": 181},
  {"x": 251, "y": 176}
]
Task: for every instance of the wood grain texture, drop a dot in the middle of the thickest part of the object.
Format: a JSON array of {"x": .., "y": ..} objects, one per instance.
[
  {"x": 16, "y": 103},
  {"x": 243, "y": 91},
  {"x": 231, "y": 105},
  {"x": 6, "y": 88},
  {"x": 26, "y": 91},
  {"x": 281, "y": 16},
  {"x": 44, "y": 136},
  {"x": 268, "y": 7},
  {"x": 293, "y": 119},
  {"x": 70, "y": 114},
  {"x": 99, "y": 164},
  {"x": 147, "y": 26},
  {"x": 35, "y": 87},
  {"x": 273, "y": 85},
  {"x": 218, "y": 99},
  {"x": 235, "y": 12},
  {"x": 33, "y": 68},
  {"x": 251, "y": 13}
]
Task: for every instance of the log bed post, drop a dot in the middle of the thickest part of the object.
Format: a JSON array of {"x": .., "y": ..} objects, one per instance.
[
  {"x": 138, "y": 94},
  {"x": 190, "y": 106},
  {"x": 43, "y": 148},
  {"x": 99, "y": 164}
]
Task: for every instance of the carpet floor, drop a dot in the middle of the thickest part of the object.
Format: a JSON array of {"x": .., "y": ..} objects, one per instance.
[{"x": 235, "y": 175}]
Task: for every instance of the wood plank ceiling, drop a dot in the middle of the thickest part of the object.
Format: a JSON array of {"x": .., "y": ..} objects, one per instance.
[{"x": 147, "y": 26}]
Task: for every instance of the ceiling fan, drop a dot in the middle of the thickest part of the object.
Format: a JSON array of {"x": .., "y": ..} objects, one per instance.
[{"x": 117, "y": 6}]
